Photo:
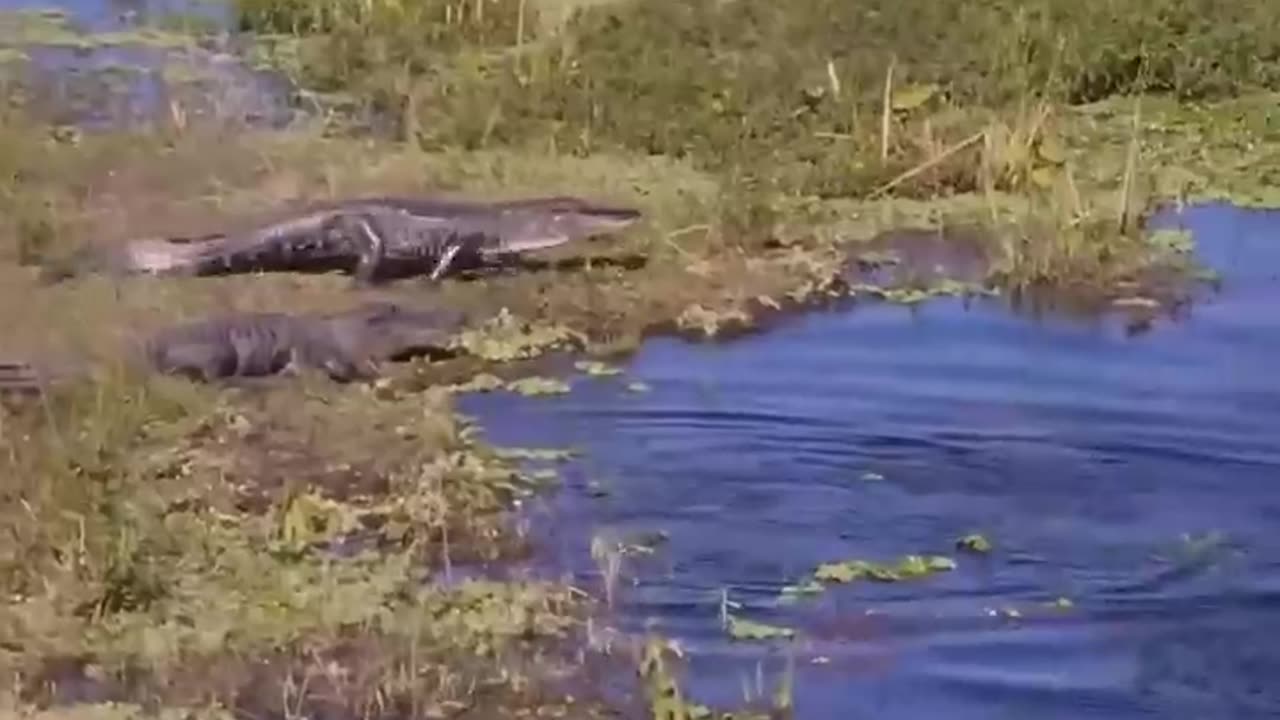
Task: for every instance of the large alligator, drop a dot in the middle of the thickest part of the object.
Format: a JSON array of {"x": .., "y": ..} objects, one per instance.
[
  {"x": 345, "y": 346},
  {"x": 375, "y": 238}
]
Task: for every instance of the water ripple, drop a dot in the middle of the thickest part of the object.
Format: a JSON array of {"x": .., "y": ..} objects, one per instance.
[{"x": 1134, "y": 476}]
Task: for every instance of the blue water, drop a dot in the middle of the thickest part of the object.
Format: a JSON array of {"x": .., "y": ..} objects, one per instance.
[
  {"x": 125, "y": 85},
  {"x": 1136, "y": 476},
  {"x": 98, "y": 15}
]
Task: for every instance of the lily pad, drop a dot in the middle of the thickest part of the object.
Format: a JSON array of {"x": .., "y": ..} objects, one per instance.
[
  {"x": 974, "y": 543},
  {"x": 740, "y": 629},
  {"x": 911, "y": 566}
]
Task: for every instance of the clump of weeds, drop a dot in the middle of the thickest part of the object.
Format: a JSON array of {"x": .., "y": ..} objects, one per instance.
[{"x": 170, "y": 543}]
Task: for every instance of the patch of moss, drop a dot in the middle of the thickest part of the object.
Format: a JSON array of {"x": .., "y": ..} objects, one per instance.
[
  {"x": 743, "y": 629},
  {"x": 909, "y": 567}
]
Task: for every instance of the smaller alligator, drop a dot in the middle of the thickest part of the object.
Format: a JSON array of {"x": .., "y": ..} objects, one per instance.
[
  {"x": 345, "y": 346},
  {"x": 375, "y": 238}
]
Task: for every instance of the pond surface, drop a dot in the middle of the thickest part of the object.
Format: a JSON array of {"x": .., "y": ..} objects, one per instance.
[
  {"x": 122, "y": 14},
  {"x": 118, "y": 78},
  {"x": 1137, "y": 477}
]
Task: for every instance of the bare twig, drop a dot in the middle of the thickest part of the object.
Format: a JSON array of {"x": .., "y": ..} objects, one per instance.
[{"x": 932, "y": 162}]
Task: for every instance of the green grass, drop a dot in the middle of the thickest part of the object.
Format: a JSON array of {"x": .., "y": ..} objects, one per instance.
[
  {"x": 756, "y": 86},
  {"x": 784, "y": 104},
  {"x": 171, "y": 544}
]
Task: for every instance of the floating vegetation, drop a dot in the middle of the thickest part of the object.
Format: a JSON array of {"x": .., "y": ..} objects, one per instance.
[
  {"x": 533, "y": 386},
  {"x": 793, "y": 593},
  {"x": 909, "y": 567},
  {"x": 741, "y": 629},
  {"x": 945, "y": 287},
  {"x": 536, "y": 454},
  {"x": 974, "y": 543},
  {"x": 596, "y": 368}
]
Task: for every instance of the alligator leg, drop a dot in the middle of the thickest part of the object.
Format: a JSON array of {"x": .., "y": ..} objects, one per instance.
[
  {"x": 446, "y": 259},
  {"x": 343, "y": 371},
  {"x": 370, "y": 241},
  {"x": 329, "y": 363},
  {"x": 453, "y": 245}
]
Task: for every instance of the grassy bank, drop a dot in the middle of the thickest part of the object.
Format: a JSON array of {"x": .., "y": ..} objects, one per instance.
[
  {"x": 814, "y": 102},
  {"x": 288, "y": 551}
]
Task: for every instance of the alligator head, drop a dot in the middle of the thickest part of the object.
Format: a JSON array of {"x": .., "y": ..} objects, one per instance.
[
  {"x": 538, "y": 223},
  {"x": 390, "y": 331}
]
